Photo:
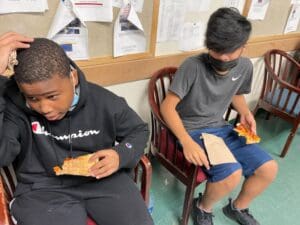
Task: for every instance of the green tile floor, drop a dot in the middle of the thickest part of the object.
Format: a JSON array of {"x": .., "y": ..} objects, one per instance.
[{"x": 278, "y": 205}]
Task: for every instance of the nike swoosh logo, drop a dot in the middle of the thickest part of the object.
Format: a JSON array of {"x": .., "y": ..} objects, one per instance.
[{"x": 236, "y": 78}]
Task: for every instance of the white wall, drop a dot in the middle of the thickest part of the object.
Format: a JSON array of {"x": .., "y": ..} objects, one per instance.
[
  {"x": 136, "y": 92},
  {"x": 136, "y": 96}
]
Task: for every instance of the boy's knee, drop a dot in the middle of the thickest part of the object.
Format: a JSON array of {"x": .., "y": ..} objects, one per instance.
[
  {"x": 232, "y": 180},
  {"x": 268, "y": 170}
]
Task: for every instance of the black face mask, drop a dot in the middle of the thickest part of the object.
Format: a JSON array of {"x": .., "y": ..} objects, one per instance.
[{"x": 222, "y": 66}]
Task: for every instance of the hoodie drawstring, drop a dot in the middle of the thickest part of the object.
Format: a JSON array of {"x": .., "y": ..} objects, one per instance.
[{"x": 70, "y": 139}]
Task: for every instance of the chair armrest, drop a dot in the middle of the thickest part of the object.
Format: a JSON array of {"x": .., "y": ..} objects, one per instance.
[
  {"x": 145, "y": 176},
  {"x": 4, "y": 213},
  {"x": 158, "y": 117},
  {"x": 168, "y": 132}
]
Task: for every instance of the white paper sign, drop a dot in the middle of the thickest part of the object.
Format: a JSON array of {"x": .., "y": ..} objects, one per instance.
[
  {"x": 293, "y": 20},
  {"x": 239, "y": 4},
  {"x": 171, "y": 20},
  {"x": 68, "y": 31},
  {"x": 117, "y": 3},
  {"x": 258, "y": 9},
  {"x": 129, "y": 37},
  {"x": 93, "y": 10},
  {"x": 295, "y": 2},
  {"x": 192, "y": 37},
  {"x": 74, "y": 40},
  {"x": 137, "y": 4},
  {"x": 198, "y": 5},
  {"x": 13, "y": 6}
]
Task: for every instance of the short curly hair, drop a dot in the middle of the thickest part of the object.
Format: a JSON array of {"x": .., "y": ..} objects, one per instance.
[
  {"x": 41, "y": 61},
  {"x": 227, "y": 30}
]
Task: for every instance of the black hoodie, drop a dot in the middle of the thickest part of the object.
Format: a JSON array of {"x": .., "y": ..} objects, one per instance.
[{"x": 100, "y": 120}]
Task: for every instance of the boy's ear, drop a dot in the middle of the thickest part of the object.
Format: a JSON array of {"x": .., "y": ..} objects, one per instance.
[{"x": 74, "y": 77}]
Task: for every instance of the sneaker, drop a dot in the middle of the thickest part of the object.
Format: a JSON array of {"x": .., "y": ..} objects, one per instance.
[
  {"x": 242, "y": 217},
  {"x": 201, "y": 217}
]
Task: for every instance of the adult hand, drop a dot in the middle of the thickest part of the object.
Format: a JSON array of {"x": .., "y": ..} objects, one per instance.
[
  {"x": 106, "y": 163},
  {"x": 248, "y": 120},
  {"x": 194, "y": 153},
  {"x": 8, "y": 42}
]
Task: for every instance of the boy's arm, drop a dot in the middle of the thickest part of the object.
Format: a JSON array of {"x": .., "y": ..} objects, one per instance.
[
  {"x": 191, "y": 150},
  {"x": 246, "y": 116},
  {"x": 131, "y": 134},
  {"x": 9, "y": 132}
]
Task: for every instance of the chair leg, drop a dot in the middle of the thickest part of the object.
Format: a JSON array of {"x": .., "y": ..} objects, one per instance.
[
  {"x": 187, "y": 206},
  {"x": 289, "y": 141}
]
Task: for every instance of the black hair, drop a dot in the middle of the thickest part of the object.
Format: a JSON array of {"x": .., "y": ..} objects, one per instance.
[
  {"x": 41, "y": 61},
  {"x": 227, "y": 30}
]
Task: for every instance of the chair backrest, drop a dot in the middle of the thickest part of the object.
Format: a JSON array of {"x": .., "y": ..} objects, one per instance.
[
  {"x": 281, "y": 87},
  {"x": 143, "y": 176},
  {"x": 7, "y": 188}
]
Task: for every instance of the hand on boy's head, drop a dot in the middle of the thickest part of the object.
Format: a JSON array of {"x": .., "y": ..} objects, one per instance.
[
  {"x": 9, "y": 42},
  {"x": 107, "y": 162}
]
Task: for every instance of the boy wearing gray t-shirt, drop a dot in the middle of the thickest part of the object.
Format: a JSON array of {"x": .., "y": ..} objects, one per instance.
[{"x": 203, "y": 88}]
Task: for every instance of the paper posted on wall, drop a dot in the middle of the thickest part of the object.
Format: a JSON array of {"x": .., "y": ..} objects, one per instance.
[
  {"x": 293, "y": 20},
  {"x": 129, "y": 37},
  {"x": 192, "y": 36},
  {"x": 93, "y": 10},
  {"x": 258, "y": 9},
  {"x": 26, "y": 6},
  {"x": 137, "y": 4},
  {"x": 238, "y": 4},
  {"x": 170, "y": 20},
  {"x": 69, "y": 31}
]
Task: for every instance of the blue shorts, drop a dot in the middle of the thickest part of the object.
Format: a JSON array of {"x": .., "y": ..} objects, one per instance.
[{"x": 249, "y": 157}]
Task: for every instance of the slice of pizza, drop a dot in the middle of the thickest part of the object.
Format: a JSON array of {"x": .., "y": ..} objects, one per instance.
[
  {"x": 78, "y": 166},
  {"x": 244, "y": 131}
]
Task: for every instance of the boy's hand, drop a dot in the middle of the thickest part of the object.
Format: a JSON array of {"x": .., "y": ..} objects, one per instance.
[
  {"x": 8, "y": 42},
  {"x": 195, "y": 154},
  {"x": 107, "y": 162},
  {"x": 249, "y": 121}
]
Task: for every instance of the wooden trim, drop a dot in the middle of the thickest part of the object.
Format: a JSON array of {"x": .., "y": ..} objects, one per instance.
[
  {"x": 246, "y": 7},
  {"x": 155, "y": 14},
  {"x": 121, "y": 71}
]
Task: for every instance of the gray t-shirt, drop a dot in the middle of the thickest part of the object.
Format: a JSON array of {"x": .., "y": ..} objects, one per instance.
[{"x": 206, "y": 95}]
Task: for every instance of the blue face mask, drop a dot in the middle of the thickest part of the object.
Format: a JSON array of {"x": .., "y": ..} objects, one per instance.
[
  {"x": 75, "y": 100},
  {"x": 76, "y": 95}
]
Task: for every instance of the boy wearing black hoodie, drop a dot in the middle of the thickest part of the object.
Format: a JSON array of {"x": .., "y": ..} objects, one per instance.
[{"x": 49, "y": 112}]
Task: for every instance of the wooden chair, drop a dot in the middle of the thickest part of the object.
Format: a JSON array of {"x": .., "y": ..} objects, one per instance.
[
  {"x": 143, "y": 175},
  {"x": 165, "y": 146},
  {"x": 280, "y": 94}
]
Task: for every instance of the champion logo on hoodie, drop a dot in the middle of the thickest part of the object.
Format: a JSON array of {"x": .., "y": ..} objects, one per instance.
[
  {"x": 40, "y": 130},
  {"x": 36, "y": 127}
]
